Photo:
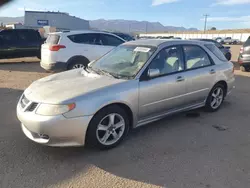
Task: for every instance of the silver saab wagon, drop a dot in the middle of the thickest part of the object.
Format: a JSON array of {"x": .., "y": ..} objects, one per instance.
[{"x": 136, "y": 83}]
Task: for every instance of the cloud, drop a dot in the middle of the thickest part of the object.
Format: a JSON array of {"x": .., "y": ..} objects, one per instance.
[
  {"x": 160, "y": 2},
  {"x": 229, "y": 19},
  {"x": 231, "y": 2}
]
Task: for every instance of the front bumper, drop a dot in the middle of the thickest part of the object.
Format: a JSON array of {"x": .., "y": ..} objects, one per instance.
[
  {"x": 57, "y": 66},
  {"x": 53, "y": 130}
]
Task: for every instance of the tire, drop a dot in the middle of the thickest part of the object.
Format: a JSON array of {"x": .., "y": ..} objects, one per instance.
[
  {"x": 228, "y": 56},
  {"x": 78, "y": 63},
  {"x": 95, "y": 138},
  {"x": 211, "y": 98},
  {"x": 244, "y": 69}
]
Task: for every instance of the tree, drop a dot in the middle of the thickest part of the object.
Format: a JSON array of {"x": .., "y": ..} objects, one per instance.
[{"x": 213, "y": 28}]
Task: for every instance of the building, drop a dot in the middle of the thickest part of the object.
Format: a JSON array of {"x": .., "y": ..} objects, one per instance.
[
  {"x": 15, "y": 26},
  {"x": 58, "y": 20}
]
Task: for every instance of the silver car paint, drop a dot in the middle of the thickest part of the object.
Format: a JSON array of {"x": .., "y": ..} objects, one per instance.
[{"x": 148, "y": 100}]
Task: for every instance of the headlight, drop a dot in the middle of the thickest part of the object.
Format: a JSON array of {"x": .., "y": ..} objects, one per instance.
[{"x": 52, "y": 109}]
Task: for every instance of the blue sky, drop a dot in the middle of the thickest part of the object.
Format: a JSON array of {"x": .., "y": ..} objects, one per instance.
[{"x": 187, "y": 13}]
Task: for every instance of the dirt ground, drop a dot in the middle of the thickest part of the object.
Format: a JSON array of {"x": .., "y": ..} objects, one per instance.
[{"x": 177, "y": 152}]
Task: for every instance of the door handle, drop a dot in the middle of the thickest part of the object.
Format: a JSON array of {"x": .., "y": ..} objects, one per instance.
[
  {"x": 212, "y": 71},
  {"x": 180, "y": 79}
]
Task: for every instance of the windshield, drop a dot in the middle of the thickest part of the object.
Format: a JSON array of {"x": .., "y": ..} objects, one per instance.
[{"x": 124, "y": 61}]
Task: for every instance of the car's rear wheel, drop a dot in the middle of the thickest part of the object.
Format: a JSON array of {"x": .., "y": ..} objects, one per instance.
[
  {"x": 244, "y": 68},
  {"x": 78, "y": 63},
  {"x": 108, "y": 128},
  {"x": 215, "y": 98}
]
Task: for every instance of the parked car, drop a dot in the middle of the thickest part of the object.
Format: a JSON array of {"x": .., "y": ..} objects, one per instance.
[
  {"x": 230, "y": 40},
  {"x": 16, "y": 43},
  {"x": 224, "y": 49},
  {"x": 136, "y": 83},
  {"x": 74, "y": 49},
  {"x": 124, "y": 36},
  {"x": 218, "y": 39},
  {"x": 244, "y": 57}
]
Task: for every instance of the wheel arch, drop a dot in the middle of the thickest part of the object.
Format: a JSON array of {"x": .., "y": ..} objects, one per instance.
[
  {"x": 224, "y": 83},
  {"x": 77, "y": 58}
]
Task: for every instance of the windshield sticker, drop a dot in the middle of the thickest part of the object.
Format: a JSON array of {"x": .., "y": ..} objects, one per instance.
[{"x": 141, "y": 49}]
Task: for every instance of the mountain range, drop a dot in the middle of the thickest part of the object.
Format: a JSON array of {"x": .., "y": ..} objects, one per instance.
[{"x": 117, "y": 25}]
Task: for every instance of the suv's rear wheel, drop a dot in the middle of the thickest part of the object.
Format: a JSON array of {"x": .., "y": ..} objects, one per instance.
[
  {"x": 244, "y": 68},
  {"x": 108, "y": 128},
  {"x": 215, "y": 98},
  {"x": 78, "y": 63}
]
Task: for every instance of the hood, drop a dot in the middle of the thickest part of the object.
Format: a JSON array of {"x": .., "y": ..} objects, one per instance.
[{"x": 57, "y": 88}]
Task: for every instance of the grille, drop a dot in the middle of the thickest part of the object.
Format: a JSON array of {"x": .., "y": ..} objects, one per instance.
[{"x": 32, "y": 107}]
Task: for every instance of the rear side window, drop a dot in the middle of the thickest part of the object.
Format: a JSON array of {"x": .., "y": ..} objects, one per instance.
[
  {"x": 216, "y": 51},
  {"x": 28, "y": 35},
  {"x": 88, "y": 38},
  {"x": 53, "y": 39},
  {"x": 195, "y": 57},
  {"x": 110, "y": 40}
]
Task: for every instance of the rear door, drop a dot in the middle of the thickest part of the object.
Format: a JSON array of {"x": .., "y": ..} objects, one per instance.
[
  {"x": 87, "y": 45},
  {"x": 108, "y": 42},
  {"x": 200, "y": 73},
  {"x": 30, "y": 42}
]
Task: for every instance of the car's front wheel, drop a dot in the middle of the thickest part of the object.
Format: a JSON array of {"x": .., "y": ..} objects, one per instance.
[
  {"x": 108, "y": 128},
  {"x": 215, "y": 98}
]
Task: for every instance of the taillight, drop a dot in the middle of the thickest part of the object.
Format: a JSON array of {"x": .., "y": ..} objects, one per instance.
[
  {"x": 56, "y": 47},
  {"x": 241, "y": 50}
]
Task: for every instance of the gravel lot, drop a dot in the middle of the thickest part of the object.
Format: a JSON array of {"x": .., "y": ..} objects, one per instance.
[{"x": 177, "y": 152}]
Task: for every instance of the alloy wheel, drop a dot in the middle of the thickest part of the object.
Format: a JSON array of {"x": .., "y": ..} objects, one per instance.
[
  {"x": 77, "y": 66},
  {"x": 110, "y": 129},
  {"x": 217, "y": 98}
]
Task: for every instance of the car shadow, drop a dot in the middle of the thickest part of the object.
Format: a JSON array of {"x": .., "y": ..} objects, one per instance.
[{"x": 23, "y": 67}]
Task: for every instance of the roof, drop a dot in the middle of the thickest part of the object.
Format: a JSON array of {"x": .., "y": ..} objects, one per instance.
[
  {"x": 159, "y": 42},
  {"x": 79, "y": 32}
]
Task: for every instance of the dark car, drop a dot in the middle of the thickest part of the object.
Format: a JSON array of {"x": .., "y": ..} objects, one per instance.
[
  {"x": 224, "y": 49},
  {"x": 244, "y": 57},
  {"x": 124, "y": 36},
  {"x": 15, "y": 43}
]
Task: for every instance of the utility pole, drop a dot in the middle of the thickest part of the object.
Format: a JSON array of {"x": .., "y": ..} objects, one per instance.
[
  {"x": 146, "y": 27},
  {"x": 205, "y": 26}
]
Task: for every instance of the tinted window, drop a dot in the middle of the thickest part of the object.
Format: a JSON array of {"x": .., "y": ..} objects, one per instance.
[
  {"x": 216, "y": 52},
  {"x": 88, "y": 38},
  {"x": 27, "y": 35},
  {"x": 8, "y": 37},
  {"x": 195, "y": 57},
  {"x": 53, "y": 39},
  {"x": 168, "y": 61},
  {"x": 110, "y": 40}
]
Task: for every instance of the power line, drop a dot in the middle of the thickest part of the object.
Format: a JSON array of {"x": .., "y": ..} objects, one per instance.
[{"x": 205, "y": 25}]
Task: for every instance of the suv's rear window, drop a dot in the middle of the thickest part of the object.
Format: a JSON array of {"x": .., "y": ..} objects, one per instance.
[
  {"x": 216, "y": 51},
  {"x": 53, "y": 39}
]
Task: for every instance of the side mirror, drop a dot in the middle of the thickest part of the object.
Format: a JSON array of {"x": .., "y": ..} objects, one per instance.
[{"x": 153, "y": 73}]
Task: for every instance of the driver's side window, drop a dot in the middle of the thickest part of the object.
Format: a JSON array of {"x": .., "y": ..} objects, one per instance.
[{"x": 168, "y": 60}]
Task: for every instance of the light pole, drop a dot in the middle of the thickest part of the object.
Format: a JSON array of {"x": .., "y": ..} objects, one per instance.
[{"x": 205, "y": 26}]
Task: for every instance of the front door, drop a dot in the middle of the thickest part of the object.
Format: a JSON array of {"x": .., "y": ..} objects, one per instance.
[{"x": 165, "y": 92}]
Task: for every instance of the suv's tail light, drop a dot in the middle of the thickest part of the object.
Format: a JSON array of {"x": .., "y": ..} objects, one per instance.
[
  {"x": 56, "y": 47},
  {"x": 241, "y": 50}
]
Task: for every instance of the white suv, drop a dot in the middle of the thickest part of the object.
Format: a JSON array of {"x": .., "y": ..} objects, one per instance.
[{"x": 75, "y": 49}]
